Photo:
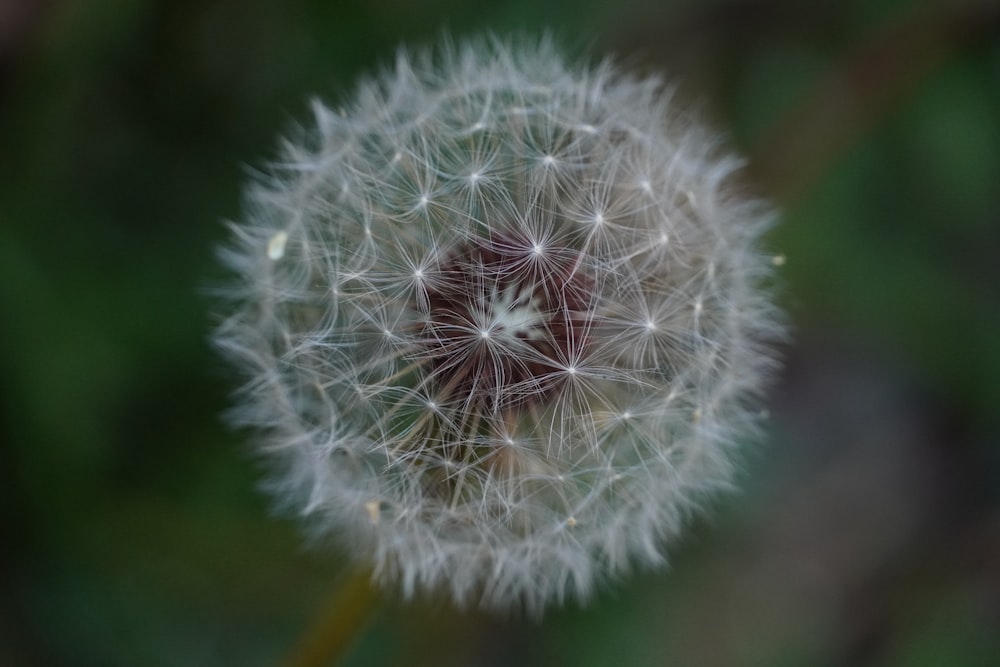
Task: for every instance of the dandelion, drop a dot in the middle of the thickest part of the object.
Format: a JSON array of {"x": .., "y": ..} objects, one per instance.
[{"x": 504, "y": 321}]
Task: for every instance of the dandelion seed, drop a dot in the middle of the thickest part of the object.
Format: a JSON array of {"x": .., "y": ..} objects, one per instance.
[
  {"x": 373, "y": 508},
  {"x": 448, "y": 393},
  {"x": 276, "y": 246}
]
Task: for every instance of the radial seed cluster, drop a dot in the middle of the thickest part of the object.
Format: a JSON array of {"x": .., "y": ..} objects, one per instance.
[{"x": 504, "y": 321}]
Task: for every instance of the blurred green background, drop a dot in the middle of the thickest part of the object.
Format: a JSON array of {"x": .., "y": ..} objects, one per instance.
[{"x": 867, "y": 530}]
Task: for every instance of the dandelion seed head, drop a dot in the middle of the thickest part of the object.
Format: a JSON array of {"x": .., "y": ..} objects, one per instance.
[{"x": 457, "y": 377}]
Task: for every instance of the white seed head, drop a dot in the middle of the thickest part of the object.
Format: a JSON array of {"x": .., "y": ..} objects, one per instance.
[{"x": 472, "y": 353}]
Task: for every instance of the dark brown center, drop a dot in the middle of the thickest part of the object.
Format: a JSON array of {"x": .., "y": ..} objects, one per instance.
[{"x": 507, "y": 321}]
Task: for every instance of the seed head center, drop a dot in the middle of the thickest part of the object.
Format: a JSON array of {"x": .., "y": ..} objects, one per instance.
[
  {"x": 501, "y": 321},
  {"x": 515, "y": 312}
]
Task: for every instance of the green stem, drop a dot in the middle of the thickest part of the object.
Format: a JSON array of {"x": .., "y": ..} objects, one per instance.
[{"x": 338, "y": 625}]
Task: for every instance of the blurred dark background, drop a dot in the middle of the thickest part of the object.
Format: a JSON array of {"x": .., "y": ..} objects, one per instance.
[{"x": 867, "y": 530}]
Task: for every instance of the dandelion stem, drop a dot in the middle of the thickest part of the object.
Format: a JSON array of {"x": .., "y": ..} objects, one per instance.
[{"x": 338, "y": 624}]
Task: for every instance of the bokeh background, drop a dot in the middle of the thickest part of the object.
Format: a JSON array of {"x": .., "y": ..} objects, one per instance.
[{"x": 867, "y": 530}]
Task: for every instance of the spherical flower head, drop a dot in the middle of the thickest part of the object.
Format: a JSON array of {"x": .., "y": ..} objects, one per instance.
[{"x": 504, "y": 321}]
